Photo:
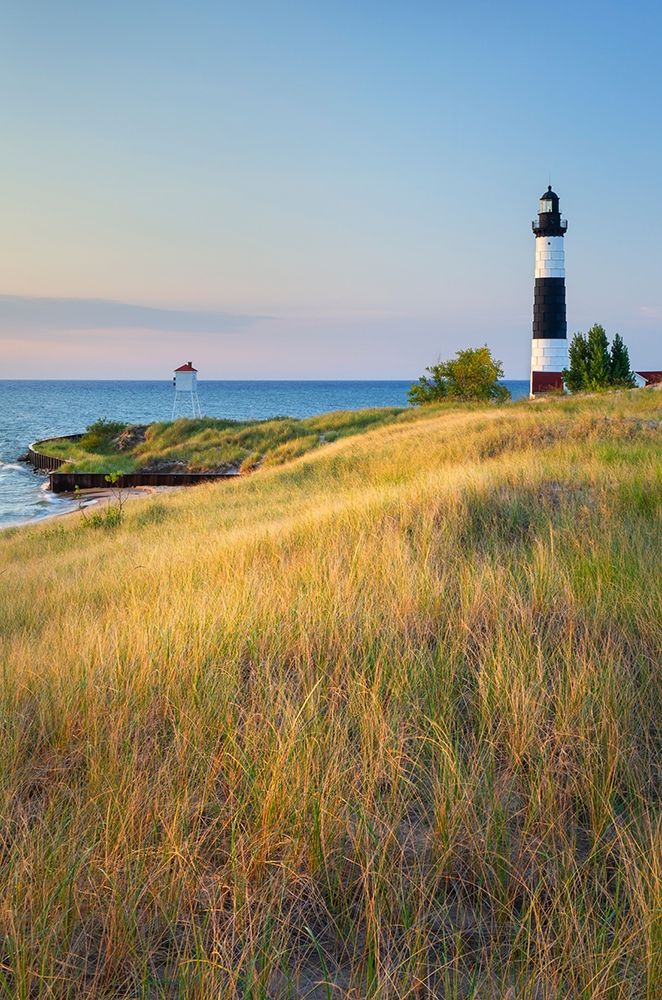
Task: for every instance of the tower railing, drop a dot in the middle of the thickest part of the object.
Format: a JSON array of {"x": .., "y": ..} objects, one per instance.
[{"x": 535, "y": 224}]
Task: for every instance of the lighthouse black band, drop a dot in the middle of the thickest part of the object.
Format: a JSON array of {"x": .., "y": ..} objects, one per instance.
[
  {"x": 550, "y": 224},
  {"x": 549, "y": 322}
]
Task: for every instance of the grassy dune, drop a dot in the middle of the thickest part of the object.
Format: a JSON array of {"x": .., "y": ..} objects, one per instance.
[
  {"x": 380, "y": 722},
  {"x": 209, "y": 443}
]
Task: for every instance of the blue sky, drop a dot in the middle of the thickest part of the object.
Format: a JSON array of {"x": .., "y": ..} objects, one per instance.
[{"x": 319, "y": 190}]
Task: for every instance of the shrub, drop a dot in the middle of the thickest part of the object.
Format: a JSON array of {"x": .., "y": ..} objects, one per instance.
[
  {"x": 99, "y": 435},
  {"x": 108, "y": 517},
  {"x": 472, "y": 375}
]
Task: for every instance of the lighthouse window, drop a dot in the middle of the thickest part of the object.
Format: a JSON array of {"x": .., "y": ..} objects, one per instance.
[{"x": 545, "y": 205}]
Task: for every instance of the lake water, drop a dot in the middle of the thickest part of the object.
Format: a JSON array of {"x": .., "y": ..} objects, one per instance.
[{"x": 33, "y": 410}]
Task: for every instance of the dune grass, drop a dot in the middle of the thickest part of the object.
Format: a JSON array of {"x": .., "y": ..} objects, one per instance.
[
  {"x": 209, "y": 443},
  {"x": 381, "y": 722}
]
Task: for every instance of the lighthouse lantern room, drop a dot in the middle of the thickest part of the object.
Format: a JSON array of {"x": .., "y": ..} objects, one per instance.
[
  {"x": 549, "y": 346},
  {"x": 185, "y": 382}
]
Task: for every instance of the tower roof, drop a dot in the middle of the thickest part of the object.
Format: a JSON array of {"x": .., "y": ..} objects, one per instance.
[
  {"x": 188, "y": 367},
  {"x": 549, "y": 195}
]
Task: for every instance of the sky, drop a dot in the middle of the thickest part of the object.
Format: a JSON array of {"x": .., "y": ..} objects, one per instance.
[{"x": 321, "y": 189}]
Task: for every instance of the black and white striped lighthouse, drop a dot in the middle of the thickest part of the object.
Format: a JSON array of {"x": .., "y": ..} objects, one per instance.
[{"x": 549, "y": 347}]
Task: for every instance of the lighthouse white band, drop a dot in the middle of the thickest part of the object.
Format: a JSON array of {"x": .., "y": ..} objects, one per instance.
[
  {"x": 550, "y": 257},
  {"x": 549, "y": 355}
]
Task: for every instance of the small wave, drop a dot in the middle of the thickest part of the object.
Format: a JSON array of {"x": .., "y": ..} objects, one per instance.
[
  {"x": 12, "y": 466},
  {"x": 44, "y": 507},
  {"x": 50, "y": 501}
]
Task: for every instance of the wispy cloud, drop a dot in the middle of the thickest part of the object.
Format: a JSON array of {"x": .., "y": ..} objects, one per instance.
[
  {"x": 651, "y": 312},
  {"x": 30, "y": 315}
]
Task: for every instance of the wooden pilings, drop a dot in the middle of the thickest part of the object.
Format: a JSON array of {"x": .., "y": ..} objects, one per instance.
[{"x": 67, "y": 482}]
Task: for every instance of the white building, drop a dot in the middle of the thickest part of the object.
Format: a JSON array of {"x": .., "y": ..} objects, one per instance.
[{"x": 185, "y": 382}]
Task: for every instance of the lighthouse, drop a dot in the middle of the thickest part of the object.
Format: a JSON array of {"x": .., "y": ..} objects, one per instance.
[
  {"x": 185, "y": 382},
  {"x": 549, "y": 346}
]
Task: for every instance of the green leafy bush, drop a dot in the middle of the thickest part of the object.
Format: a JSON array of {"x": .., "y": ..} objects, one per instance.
[
  {"x": 99, "y": 435},
  {"x": 472, "y": 375}
]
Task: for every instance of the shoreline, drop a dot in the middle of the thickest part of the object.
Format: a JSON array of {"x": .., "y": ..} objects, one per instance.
[{"x": 97, "y": 498}]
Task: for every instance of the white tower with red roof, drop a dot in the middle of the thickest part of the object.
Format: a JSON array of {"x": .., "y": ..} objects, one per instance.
[{"x": 185, "y": 382}]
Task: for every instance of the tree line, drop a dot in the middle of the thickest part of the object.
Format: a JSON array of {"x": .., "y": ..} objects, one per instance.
[{"x": 473, "y": 374}]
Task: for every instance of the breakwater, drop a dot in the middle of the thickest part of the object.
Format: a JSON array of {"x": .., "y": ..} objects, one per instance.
[
  {"x": 44, "y": 462},
  {"x": 67, "y": 482}
]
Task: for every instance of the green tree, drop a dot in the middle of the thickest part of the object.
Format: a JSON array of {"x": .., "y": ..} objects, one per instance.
[
  {"x": 472, "y": 374},
  {"x": 620, "y": 372},
  {"x": 598, "y": 376},
  {"x": 593, "y": 366},
  {"x": 575, "y": 377}
]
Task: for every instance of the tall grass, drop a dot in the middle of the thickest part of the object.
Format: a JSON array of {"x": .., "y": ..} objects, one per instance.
[
  {"x": 381, "y": 722},
  {"x": 210, "y": 443}
]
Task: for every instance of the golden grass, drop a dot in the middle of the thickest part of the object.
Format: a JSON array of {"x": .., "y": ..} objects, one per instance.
[{"x": 380, "y": 722}]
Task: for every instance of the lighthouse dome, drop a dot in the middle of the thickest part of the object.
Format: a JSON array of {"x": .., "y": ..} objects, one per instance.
[{"x": 549, "y": 202}]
